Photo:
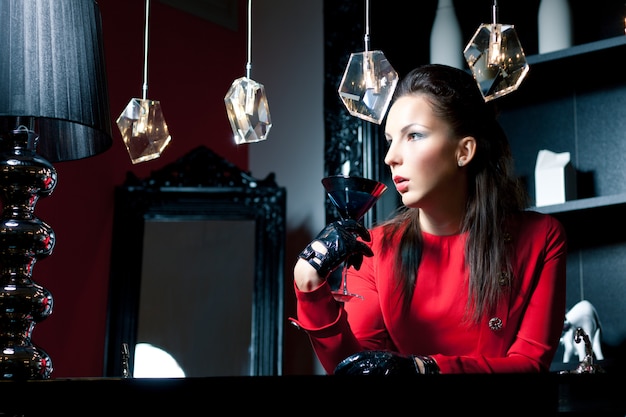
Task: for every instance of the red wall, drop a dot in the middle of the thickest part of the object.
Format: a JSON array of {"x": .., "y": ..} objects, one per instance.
[{"x": 192, "y": 63}]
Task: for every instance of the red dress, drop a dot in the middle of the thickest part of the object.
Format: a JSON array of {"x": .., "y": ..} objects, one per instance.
[{"x": 522, "y": 335}]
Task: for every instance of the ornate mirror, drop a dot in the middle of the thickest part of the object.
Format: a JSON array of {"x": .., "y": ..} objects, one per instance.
[{"x": 197, "y": 272}]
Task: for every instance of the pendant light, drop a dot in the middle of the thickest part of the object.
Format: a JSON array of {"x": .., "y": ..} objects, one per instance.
[
  {"x": 496, "y": 58},
  {"x": 142, "y": 124},
  {"x": 246, "y": 102},
  {"x": 368, "y": 82}
]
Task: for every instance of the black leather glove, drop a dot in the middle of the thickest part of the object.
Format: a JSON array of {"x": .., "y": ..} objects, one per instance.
[
  {"x": 340, "y": 240},
  {"x": 377, "y": 362}
]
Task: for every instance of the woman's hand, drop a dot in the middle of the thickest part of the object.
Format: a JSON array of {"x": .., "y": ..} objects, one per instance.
[
  {"x": 377, "y": 362},
  {"x": 335, "y": 244}
]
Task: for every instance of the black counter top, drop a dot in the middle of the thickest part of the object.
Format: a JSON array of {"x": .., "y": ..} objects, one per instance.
[{"x": 499, "y": 394}]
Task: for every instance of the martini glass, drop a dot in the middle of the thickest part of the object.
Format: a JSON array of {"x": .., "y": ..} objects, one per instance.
[{"x": 352, "y": 197}]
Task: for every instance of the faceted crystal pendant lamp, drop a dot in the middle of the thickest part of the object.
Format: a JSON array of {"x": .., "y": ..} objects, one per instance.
[
  {"x": 54, "y": 107},
  {"x": 142, "y": 125},
  {"x": 496, "y": 58},
  {"x": 368, "y": 82},
  {"x": 246, "y": 103}
]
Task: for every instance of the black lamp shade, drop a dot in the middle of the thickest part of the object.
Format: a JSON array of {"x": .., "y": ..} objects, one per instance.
[{"x": 52, "y": 70}]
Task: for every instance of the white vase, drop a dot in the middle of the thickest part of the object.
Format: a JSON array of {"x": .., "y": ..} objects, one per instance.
[
  {"x": 446, "y": 40},
  {"x": 554, "y": 22}
]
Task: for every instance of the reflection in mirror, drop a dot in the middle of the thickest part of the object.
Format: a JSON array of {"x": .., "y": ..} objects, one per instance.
[
  {"x": 197, "y": 272},
  {"x": 154, "y": 362}
]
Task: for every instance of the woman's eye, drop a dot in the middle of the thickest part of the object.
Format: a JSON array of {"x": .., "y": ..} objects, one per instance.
[{"x": 416, "y": 136}]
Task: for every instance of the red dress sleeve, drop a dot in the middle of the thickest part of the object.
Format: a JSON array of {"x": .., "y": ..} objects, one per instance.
[{"x": 325, "y": 321}]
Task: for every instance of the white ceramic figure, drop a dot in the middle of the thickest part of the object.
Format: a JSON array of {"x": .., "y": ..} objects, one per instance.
[{"x": 584, "y": 315}]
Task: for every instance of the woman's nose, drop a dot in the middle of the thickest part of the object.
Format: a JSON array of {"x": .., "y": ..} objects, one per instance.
[{"x": 390, "y": 158}]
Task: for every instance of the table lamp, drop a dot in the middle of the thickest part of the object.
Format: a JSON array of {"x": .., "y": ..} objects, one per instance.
[{"x": 54, "y": 107}]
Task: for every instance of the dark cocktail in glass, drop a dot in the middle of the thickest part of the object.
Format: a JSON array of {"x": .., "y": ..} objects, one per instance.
[{"x": 352, "y": 197}]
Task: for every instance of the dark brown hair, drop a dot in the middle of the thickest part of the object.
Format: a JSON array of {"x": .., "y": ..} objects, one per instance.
[{"x": 494, "y": 193}]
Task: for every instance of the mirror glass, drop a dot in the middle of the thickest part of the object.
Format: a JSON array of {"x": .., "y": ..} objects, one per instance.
[{"x": 199, "y": 270}]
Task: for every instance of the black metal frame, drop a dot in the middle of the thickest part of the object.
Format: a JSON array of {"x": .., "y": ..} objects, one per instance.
[{"x": 201, "y": 185}]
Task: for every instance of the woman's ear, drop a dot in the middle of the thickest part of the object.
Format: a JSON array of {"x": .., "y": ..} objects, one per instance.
[{"x": 466, "y": 150}]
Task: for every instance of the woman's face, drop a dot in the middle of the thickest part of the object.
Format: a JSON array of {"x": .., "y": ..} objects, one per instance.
[{"x": 423, "y": 154}]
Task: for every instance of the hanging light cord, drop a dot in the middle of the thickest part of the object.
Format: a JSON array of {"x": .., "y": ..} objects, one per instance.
[
  {"x": 494, "y": 12},
  {"x": 367, "y": 25},
  {"x": 145, "y": 54},
  {"x": 249, "y": 63}
]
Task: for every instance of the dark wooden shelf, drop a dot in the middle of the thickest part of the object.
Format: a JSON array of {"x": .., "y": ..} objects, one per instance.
[
  {"x": 584, "y": 204},
  {"x": 593, "y": 67},
  {"x": 578, "y": 50},
  {"x": 591, "y": 222}
]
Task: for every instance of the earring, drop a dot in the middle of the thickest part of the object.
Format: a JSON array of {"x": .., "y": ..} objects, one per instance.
[{"x": 460, "y": 163}]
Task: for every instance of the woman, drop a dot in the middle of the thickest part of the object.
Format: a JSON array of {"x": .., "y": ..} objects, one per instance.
[{"x": 462, "y": 279}]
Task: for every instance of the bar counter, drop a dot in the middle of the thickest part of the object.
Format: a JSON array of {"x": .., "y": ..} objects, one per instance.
[{"x": 499, "y": 394}]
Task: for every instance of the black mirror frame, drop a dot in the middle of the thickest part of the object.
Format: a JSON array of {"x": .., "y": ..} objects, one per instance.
[{"x": 200, "y": 185}]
